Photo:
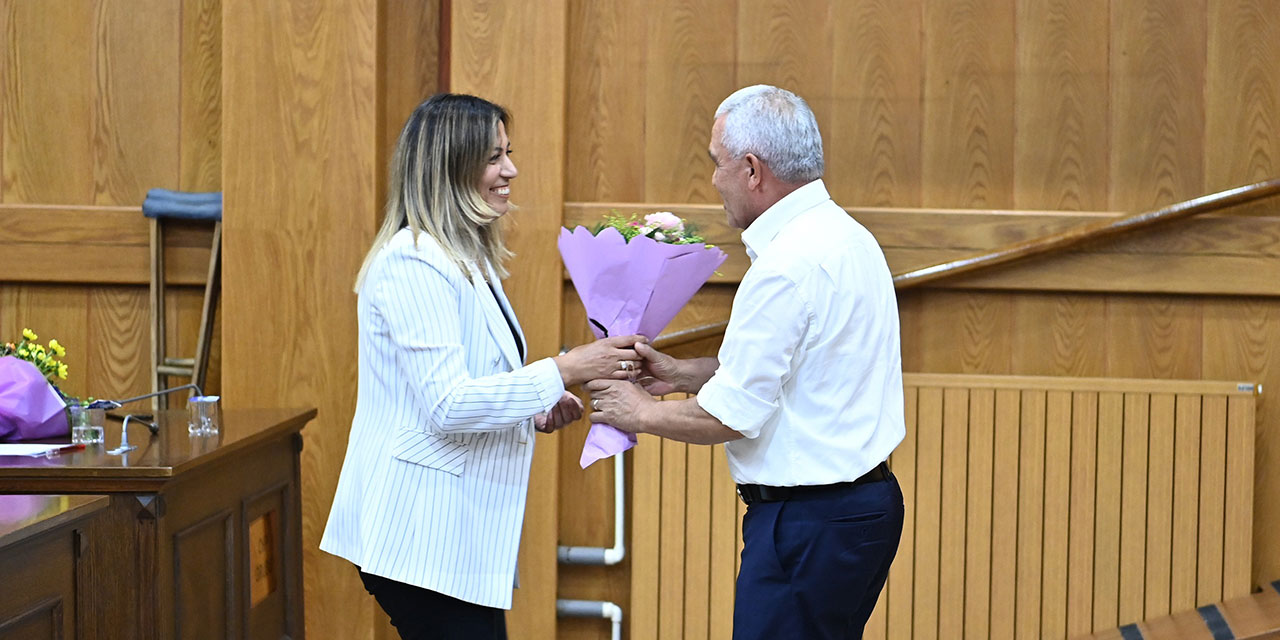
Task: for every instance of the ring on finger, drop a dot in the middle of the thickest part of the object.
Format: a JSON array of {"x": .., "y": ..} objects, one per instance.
[
  {"x": 595, "y": 404},
  {"x": 627, "y": 365}
]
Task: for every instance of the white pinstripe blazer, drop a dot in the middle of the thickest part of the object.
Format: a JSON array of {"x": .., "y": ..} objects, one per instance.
[{"x": 433, "y": 487}]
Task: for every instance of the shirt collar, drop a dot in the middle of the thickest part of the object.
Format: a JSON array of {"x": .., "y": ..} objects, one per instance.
[{"x": 760, "y": 233}]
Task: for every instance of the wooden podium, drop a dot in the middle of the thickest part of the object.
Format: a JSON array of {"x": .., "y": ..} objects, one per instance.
[{"x": 202, "y": 535}]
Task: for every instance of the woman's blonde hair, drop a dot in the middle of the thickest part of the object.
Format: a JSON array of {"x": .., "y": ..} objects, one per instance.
[{"x": 434, "y": 182}]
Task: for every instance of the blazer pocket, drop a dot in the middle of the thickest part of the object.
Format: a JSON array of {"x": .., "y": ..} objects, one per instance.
[{"x": 434, "y": 452}]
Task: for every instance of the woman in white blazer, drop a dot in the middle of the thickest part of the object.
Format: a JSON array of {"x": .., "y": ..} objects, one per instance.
[{"x": 431, "y": 498}]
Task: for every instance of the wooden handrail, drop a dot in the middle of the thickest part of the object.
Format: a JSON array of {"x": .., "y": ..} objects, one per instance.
[
  {"x": 1085, "y": 234},
  {"x": 1037, "y": 247}
]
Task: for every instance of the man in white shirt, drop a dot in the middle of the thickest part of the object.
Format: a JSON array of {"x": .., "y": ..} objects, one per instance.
[{"x": 806, "y": 392}]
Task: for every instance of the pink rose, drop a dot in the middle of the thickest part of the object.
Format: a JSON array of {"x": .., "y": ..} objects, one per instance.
[{"x": 664, "y": 220}]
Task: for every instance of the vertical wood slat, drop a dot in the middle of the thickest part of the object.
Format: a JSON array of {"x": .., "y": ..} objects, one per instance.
[
  {"x": 672, "y": 540},
  {"x": 925, "y": 596},
  {"x": 724, "y": 527},
  {"x": 900, "y": 586},
  {"x": 977, "y": 557},
  {"x": 1082, "y": 545},
  {"x": 645, "y": 520},
  {"x": 1186, "y": 502},
  {"x": 1238, "y": 543},
  {"x": 1160, "y": 506},
  {"x": 1057, "y": 506},
  {"x": 1106, "y": 564},
  {"x": 1004, "y": 518},
  {"x": 1213, "y": 460},
  {"x": 1031, "y": 514},
  {"x": 697, "y": 549},
  {"x": 1133, "y": 510},
  {"x": 951, "y": 565}
]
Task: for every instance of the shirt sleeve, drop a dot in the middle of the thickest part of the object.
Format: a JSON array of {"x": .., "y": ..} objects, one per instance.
[
  {"x": 419, "y": 305},
  {"x": 767, "y": 326}
]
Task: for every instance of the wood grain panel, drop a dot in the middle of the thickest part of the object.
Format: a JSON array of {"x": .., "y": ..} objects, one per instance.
[
  {"x": 1031, "y": 514},
  {"x": 1157, "y": 102},
  {"x": 645, "y": 538},
  {"x": 1110, "y": 479},
  {"x": 872, "y": 145},
  {"x": 59, "y": 312},
  {"x": 671, "y": 536},
  {"x": 967, "y": 140},
  {"x": 1213, "y": 459},
  {"x": 119, "y": 333},
  {"x": 48, "y": 59},
  {"x": 1157, "y": 337},
  {"x": 689, "y": 69},
  {"x": 1058, "y": 466},
  {"x": 789, "y": 45},
  {"x": 971, "y": 343},
  {"x": 954, "y": 508},
  {"x": 1005, "y": 513},
  {"x": 979, "y": 514},
  {"x": 200, "y": 135},
  {"x": 607, "y": 58},
  {"x": 697, "y": 550},
  {"x": 901, "y": 583},
  {"x": 137, "y": 67},
  {"x": 409, "y": 70},
  {"x": 1242, "y": 92},
  {"x": 1160, "y": 506},
  {"x": 926, "y": 597},
  {"x": 1133, "y": 507},
  {"x": 1061, "y": 105},
  {"x": 1239, "y": 535},
  {"x": 304, "y": 81},
  {"x": 724, "y": 527},
  {"x": 1059, "y": 334}
]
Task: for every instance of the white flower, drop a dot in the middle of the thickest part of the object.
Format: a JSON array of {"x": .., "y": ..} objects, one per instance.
[
  {"x": 665, "y": 220},
  {"x": 659, "y": 237}
]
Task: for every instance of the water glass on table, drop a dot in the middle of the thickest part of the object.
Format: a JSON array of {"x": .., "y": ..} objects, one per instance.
[
  {"x": 88, "y": 426},
  {"x": 206, "y": 415}
]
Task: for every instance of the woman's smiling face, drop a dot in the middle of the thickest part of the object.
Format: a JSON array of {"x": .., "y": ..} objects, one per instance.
[{"x": 495, "y": 183}]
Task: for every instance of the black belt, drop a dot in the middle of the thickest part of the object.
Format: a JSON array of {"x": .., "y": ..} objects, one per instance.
[{"x": 752, "y": 493}]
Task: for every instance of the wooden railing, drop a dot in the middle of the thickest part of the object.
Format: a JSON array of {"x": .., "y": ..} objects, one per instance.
[{"x": 1038, "y": 247}]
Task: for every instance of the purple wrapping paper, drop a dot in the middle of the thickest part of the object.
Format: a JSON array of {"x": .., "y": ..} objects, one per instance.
[
  {"x": 630, "y": 288},
  {"x": 29, "y": 407}
]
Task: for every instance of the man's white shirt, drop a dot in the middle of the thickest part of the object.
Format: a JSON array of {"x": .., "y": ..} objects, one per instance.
[{"x": 810, "y": 368}]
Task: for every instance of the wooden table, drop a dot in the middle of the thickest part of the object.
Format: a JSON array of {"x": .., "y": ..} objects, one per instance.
[
  {"x": 202, "y": 537},
  {"x": 39, "y": 542}
]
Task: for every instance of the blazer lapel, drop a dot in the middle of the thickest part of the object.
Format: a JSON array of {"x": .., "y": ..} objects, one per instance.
[
  {"x": 493, "y": 318},
  {"x": 506, "y": 308}
]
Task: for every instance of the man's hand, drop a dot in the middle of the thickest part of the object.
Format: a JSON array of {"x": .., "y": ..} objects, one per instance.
[
  {"x": 566, "y": 411},
  {"x": 659, "y": 372},
  {"x": 618, "y": 403}
]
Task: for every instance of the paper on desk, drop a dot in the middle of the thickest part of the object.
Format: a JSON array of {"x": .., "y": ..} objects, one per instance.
[{"x": 23, "y": 449}]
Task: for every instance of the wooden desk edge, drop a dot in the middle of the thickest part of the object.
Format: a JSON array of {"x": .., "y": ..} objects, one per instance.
[{"x": 81, "y": 506}]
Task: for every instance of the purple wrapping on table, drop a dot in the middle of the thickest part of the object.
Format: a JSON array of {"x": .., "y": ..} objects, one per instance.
[
  {"x": 29, "y": 407},
  {"x": 630, "y": 288}
]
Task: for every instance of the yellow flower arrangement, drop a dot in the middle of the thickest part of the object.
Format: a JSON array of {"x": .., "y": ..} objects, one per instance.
[{"x": 44, "y": 358}]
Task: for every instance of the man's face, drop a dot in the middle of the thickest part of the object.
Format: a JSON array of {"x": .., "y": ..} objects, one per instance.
[{"x": 730, "y": 179}]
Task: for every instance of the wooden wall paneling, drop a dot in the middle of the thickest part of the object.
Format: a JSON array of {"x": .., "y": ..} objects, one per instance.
[
  {"x": 52, "y": 311},
  {"x": 1109, "y": 487},
  {"x": 607, "y": 58},
  {"x": 1240, "y": 338},
  {"x": 119, "y": 333},
  {"x": 1160, "y": 506},
  {"x": 979, "y": 516},
  {"x": 1060, "y": 148},
  {"x": 1059, "y": 334},
  {"x": 724, "y": 528},
  {"x": 788, "y": 45},
  {"x": 900, "y": 585},
  {"x": 1005, "y": 513},
  {"x": 697, "y": 551},
  {"x": 1186, "y": 501},
  {"x": 970, "y": 341},
  {"x": 967, "y": 136},
  {"x": 1058, "y": 465},
  {"x": 1242, "y": 93},
  {"x": 1154, "y": 337},
  {"x": 515, "y": 54},
  {"x": 1031, "y": 513},
  {"x": 1133, "y": 507},
  {"x": 409, "y": 72},
  {"x": 1081, "y": 543},
  {"x": 1157, "y": 102},
  {"x": 48, "y": 59},
  {"x": 872, "y": 145},
  {"x": 137, "y": 73},
  {"x": 689, "y": 70},
  {"x": 200, "y": 96},
  {"x": 954, "y": 509},
  {"x": 1240, "y": 465},
  {"x": 1209, "y": 537},
  {"x": 645, "y": 545},
  {"x": 926, "y": 597},
  {"x": 299, "y": 82},
  {"x": 671, "y": 563}
]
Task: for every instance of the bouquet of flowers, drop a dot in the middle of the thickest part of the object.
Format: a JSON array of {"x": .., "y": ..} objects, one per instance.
[
  {"x": 30, "y": 406},
  {"x": 633, "y": 275}
]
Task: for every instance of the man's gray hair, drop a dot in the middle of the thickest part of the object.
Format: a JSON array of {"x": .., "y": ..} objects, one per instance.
[{"x": 778, "y": 127}]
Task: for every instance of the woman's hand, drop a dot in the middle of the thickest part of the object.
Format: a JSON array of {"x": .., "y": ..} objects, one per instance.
[
  {"x": 566, "y": 411},
  {"x": 607, "y": 358}
]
